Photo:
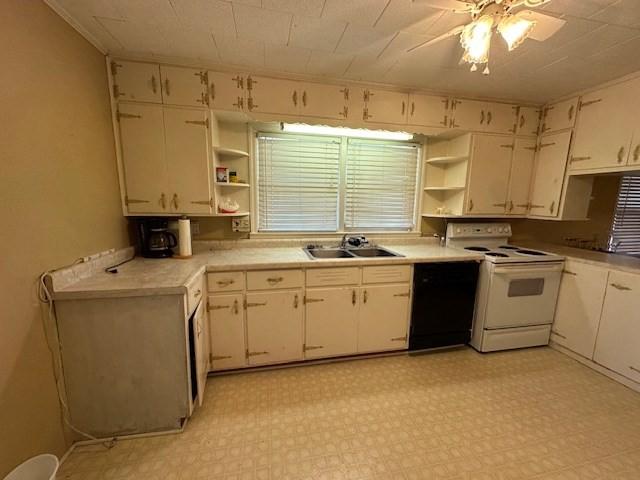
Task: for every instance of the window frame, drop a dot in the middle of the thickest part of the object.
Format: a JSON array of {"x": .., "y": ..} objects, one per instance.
[{"x": 255, "y": 232}]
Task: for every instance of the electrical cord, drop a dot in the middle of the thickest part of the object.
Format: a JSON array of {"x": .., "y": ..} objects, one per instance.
[{"x": 44, "y": 295}]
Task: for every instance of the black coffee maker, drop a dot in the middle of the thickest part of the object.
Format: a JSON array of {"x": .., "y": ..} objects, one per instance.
[{"x": 156, "y": 241}]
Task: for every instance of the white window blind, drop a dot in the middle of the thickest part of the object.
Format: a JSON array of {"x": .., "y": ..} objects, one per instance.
[
  {"x": 625, "y": 232},
  {"x": 298, "y": 182},
  {"x": 380, "y": 189}
]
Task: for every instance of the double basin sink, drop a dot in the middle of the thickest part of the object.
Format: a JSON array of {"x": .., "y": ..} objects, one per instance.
[{"x": 315, "y": 252}]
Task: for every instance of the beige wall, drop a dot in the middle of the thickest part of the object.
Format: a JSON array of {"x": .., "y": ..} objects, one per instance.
[{"x": 59, "y": 201}]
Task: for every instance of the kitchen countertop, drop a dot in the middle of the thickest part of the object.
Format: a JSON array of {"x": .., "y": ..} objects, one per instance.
[
  {"x": 601, "y": 259},
  {"x": 143, "y": 276}
]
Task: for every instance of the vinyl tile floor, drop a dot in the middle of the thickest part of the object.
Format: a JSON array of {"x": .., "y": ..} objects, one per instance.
[{"x": 448, "y": 415}]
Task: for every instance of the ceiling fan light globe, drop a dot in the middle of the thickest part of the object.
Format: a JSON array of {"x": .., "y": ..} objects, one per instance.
[
  {"x": 515, "y": 30},
  {"x": 476, "y": 39}
]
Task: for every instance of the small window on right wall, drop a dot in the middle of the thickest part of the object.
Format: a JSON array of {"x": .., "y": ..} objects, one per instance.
[{"x": 625, "y": 231}]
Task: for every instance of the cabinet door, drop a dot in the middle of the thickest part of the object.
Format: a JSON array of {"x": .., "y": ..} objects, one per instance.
[
  {"x": 274, "y": 327},
  {"x": 575, "y": 325},
  {"x": 501, "y": 118},
  {"x": 618, "y": 343},
  {"x": 469, "y": 115},
  {"x": 143, "y": 157},
  {"x": 201, "y": 351},
  {"x": 383, "y": 318},
  {"x": 524, "y": 156},
  {"x": 184, "y": 86},
  {"x": 136, "y": 81},
  {"x": 528, "y": 121},
  {"x": 186, "y": 138},
  {"x": 226, "y": 324},
  {"x": 382, "y": 106},
  {"x": 549, "y": 176},
  {"x": 428, "y": 110},
  {"x": 489, "y": 176},
  {"x": 323, "y": 100},
  {"x": 559, "y": 116},
  {"x": 272, "y": 95},
  {"x": 226, "y": 91},
  {"x": 604, "y": 130},
  {"x": 331, "y": 327}
]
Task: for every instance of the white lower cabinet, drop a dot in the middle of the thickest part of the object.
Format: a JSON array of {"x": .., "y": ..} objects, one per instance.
[
  {"x": 383, "y": 318},
  {"x": 331, "y": 327},
  {"x": 274, "y": 327},
  {"x": 227, "y": 329},
  {"x": 618, "y": 343},
  {"x": 577, "y": 317}
]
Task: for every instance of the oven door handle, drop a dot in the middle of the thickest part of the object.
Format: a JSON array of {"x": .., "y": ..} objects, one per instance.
[{"x": 531, "y": 270}]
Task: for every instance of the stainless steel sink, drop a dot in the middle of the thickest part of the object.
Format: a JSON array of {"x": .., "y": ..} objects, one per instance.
[
  {"x": 327, "y": 253},
  {"x": 373, "y": 252},
  {"x": 340, "y": 253}
]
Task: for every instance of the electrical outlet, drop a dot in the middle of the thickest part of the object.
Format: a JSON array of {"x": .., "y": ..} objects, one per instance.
[{"x": 240, "y": 224}]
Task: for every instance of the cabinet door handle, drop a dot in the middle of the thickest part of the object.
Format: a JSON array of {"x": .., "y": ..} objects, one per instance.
[
  {"x": 174, "y": 200},
  {"x": 217, "y": 307},
  {"x": 236, "y": 307},
  {"x": 559, "y": 335},
  {"x": 533, "y": 205},
  {"x": 552, "y": 207},
  {"x": 163, "y": 201},
  {"x": 312, "y": 300},
  {"x": 365, "y": 296},
  {"x": 274, "y": 280},
  {"x": 154, "y": 85},
  {"x": 225, "y": 283},
  {"x": 571, "y": 111},
  {"x": 304, "y": 98},
  {"x": 413, "y": 108},
  {"x": 294, "y": 98},
  {"x": 569, "y": 272},
  {"x": 353, "y": 298},
  {"x": 253, "y": 354},
  {"x": 345, "y": 93},
  {"x": 296, "y": 301},
  {"x": 445, "y": 121},
  {"x": 579, "y": 159},
  {"x": 621, "y": 155},
  {"x": 511, "y": 205},
  {"x": 212, "y": 91},
  {"x": 481, "y": 117},
  {"x": 250, "y": 104},
  {"x": 500, "y": 204},
  {"x": 617, "y": 286},
  {"x": 255, "y": 304},
  {"x": 521, "y": 121},
  {"x": 250, "y": 82},
  {"x": 403, "y": 108},
  {"x": 470, "y": 204},
  {"x": 636, "y": 153},
  {"x": 489, "y": 118},
  {"x": 306, "y": 348},
  {"x": 399, "y": 339},
  {"x": 406, "y": 294},
  {"x": 167, "y": 87}
]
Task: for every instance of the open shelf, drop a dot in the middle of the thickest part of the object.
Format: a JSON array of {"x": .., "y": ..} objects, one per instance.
[
  {"x": 230, "y": 152},
  {"x": 232, "y": 185},
  {"x": 443, "y": 189},
  {"x": 447, "y": 159},
  {"x": 236, "y": 214},
  {"x": 441, "y": 215}
]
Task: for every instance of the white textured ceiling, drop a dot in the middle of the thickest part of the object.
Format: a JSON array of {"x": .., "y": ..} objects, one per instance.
[{"x": 367, "y": 40}]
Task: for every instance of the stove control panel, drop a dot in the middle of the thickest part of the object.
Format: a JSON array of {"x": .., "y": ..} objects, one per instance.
[{"x": 478, "y": 230}]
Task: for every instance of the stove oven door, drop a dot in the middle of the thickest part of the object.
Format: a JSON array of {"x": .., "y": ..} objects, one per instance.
[{"x": 522, "y": 295}]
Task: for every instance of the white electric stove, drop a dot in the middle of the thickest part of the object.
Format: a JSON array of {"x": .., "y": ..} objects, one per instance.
[{"x": 517, "y": 288}]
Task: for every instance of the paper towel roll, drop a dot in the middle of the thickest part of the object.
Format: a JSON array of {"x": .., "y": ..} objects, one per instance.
[{"x": 184, "y": 237}]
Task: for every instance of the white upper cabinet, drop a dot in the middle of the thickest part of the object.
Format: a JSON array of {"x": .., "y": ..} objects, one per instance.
[
  {"x": 272, "y": 95},
  {"x": 579, "y": 305},
  {"x": 143, "y": 158},
  {"x": 528, "y": 121},
  {"x": 619, "y": 333},
  {"x": 559, "y": 116},
  {"x": 428, "y": 110},
  {"x": 605, "y": 128},
  {"x": 549, "y": 176},
  {"x": 474, "y": 115},
  {"x": 522, "y": 165},
  {"x": 382, "y": 106},
  {"x": 184, "y": 86},
  {"x": 489, "y": 176},
  {"x": 323, "y": 100},
  {"x": 226, "y": 91},
  {"x": 136, "y": 81},
  {"x": 187, "y": 153}
]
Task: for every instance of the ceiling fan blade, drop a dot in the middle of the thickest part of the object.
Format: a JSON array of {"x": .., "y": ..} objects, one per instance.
[
  {"x": 450, "y": 33},
  {"x": 458, "y": 6},
  {"x": 546, "y": 25}
]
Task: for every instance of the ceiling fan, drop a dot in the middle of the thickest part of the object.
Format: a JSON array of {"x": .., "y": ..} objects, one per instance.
[{"x": 487, "y": 16}]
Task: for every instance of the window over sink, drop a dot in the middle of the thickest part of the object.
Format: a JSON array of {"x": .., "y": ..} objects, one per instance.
[
  {"x": 314, "y": 183},
  {"x": 625, "y": 231}
]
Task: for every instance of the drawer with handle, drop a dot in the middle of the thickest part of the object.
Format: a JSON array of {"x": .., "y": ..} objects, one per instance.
[
  {"x": 386, "y": 274},
  {"x": 274, "y": 279},
  {"x": 320, "y": 277},
  {"x": 195, "y": 291},
  {"x": 225, "y": 281}
]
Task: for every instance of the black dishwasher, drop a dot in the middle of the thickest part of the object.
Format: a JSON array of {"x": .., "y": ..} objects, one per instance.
[{"x": 444, "y": 297}]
